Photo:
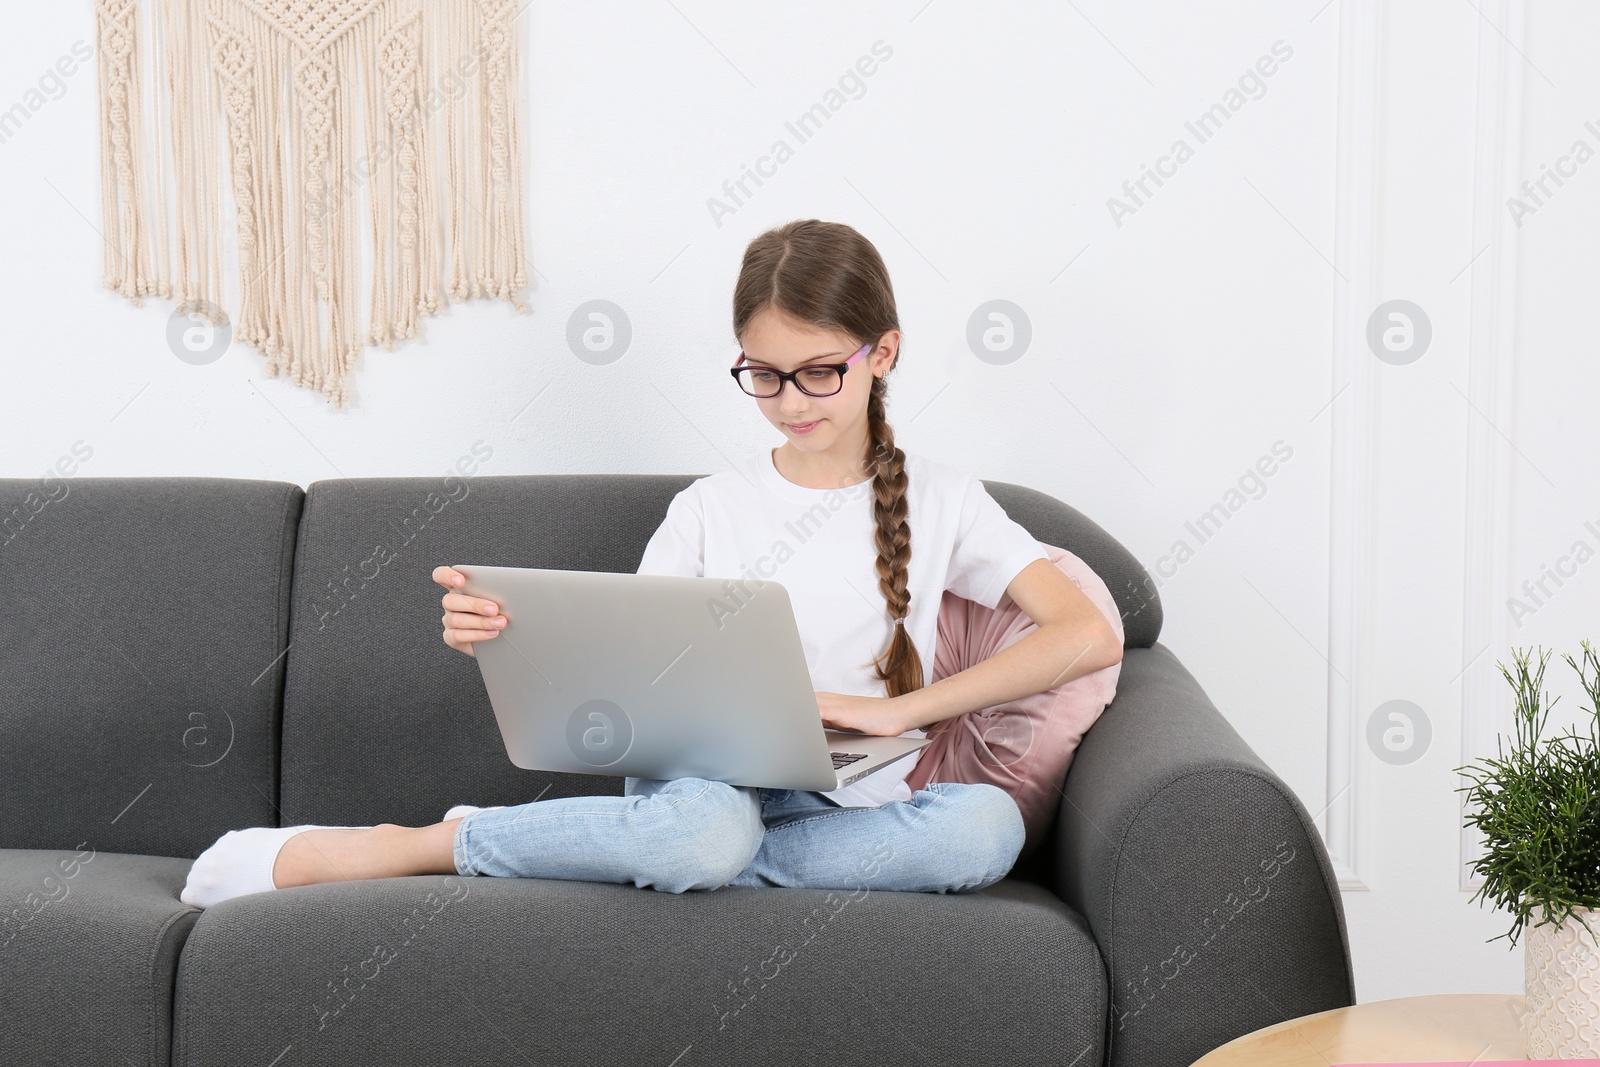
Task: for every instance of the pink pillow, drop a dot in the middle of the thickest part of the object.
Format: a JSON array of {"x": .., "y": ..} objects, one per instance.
[{"x": 1024, "y": 746}]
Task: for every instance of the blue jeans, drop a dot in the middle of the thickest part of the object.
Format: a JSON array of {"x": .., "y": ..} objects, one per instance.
[{"x": 693, "y": 833}]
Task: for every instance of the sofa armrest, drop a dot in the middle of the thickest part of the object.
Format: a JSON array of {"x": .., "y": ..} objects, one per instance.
[{"x": 1200, "y": 874}]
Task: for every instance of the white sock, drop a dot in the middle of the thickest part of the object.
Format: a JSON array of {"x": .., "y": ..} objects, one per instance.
[
  {"x": 241, "y": 862},
  {"x": 466, "y": 809}
]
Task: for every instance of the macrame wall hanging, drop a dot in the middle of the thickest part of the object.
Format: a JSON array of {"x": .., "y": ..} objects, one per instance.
[{"x": 308, "y": 110}]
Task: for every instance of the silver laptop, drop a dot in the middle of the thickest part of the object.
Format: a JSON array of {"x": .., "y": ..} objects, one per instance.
[{"x": 661, "y": 676}]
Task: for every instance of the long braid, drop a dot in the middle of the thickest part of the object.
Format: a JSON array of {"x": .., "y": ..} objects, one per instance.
[{"x": 900, "y": 667}]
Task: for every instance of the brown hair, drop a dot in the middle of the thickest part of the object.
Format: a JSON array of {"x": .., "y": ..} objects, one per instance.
[{"x": 829, "y": 276}]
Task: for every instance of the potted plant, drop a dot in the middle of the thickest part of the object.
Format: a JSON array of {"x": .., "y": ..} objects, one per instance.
[{"x": 1538, "y": 807}]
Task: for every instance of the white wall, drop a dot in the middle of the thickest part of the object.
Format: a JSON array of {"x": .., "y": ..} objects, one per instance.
[{"x": 1222, "y": 319}]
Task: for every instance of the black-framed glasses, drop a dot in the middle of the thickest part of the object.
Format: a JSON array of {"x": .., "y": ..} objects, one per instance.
[{"x": 814, "y": 379}]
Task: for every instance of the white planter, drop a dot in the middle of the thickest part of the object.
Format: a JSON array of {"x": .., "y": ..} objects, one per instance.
[{"x": 1561, "y": 968}]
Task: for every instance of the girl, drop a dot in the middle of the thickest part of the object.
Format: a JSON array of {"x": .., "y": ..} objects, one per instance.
[{"x": 829, "y": 513}]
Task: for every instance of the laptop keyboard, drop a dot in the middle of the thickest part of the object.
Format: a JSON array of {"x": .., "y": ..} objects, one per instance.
[{"x": 844, "y": 759}]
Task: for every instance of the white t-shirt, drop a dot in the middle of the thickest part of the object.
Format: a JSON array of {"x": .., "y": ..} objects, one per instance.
[{"x": 750, "y": 521}]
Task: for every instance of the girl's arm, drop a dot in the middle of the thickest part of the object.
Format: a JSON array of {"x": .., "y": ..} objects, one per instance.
[{"x": 1073, "y": 638}]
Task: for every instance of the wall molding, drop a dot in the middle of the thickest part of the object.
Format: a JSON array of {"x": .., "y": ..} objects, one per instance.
[
  {"x": 1358, "y": 255},
  {"x": 1486, "y": 703}
]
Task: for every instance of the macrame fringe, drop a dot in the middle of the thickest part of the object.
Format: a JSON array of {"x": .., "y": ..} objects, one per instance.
[{"x": 322, "y": 104}]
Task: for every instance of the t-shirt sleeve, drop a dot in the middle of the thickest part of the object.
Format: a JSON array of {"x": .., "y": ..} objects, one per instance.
[
  {"x": 678, "y": 545},
  {"x": 990, "y": 548}
]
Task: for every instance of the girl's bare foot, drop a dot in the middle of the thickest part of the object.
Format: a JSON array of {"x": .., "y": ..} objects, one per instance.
[{"x": 387, "y": 850}]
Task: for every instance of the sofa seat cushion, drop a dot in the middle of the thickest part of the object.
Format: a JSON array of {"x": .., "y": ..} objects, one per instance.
[
  {"x": 89, "y": 946},
  {"x": 443, "y": 969}
]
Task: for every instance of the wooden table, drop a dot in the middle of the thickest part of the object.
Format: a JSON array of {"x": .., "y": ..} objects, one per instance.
[{"x": 1459, "y": 1028}]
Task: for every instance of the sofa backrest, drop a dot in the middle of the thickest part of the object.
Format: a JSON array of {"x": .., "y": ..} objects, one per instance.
[
  {"x": 141, "y": 659},
  {"x": 1062, "y": 525},
  {"x": 382, "y": 722}
]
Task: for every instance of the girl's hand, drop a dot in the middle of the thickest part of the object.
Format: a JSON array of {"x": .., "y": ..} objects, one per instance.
[
  {"x": 869, "y": 715},
  {"x": 466, "y": 618}
]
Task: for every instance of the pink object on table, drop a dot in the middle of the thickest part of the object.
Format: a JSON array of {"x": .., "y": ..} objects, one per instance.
[{"x": 1024, "y": 746}]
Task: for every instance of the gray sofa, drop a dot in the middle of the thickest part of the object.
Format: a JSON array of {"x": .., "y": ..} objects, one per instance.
[{"x": 186, "y": 656}]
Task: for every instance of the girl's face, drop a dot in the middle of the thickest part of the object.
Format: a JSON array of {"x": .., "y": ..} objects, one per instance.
[{"x": 837, "y": 424}]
